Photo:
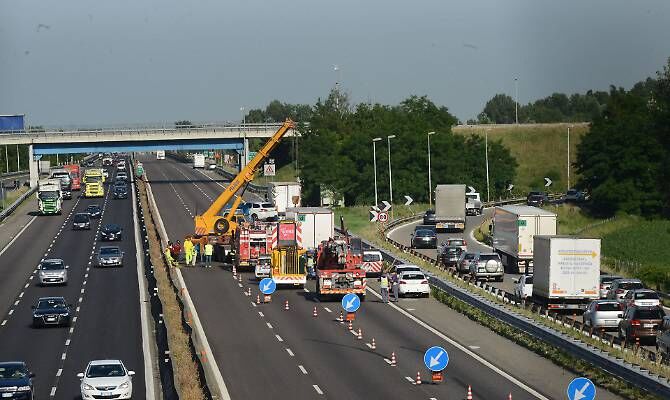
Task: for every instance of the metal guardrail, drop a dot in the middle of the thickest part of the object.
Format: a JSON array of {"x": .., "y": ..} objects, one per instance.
[
  {"x": 15, "y": 173},
  {"x": 9, "y": 210}
]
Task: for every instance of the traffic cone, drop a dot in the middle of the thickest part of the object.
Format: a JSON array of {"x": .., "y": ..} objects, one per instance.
[
  {"x": 393, "y": 360},
  {"x": 418, "y": 378},
  {"x": 286, "y": 305},
  {"x": 360, "y": 334},
  {"x": 234, "y": 272},
  {"x": 314, "y": 314},
  {"x": 239, "y": 278},
  {"x": 469, "y": 393},
  {"x": 341, "y": 317},
  {"x": 351, "y": 325},
  {"x": 249, "y": 292},
  {"x": 509, "y": 397},
  {"x": 258, "y": 299},
  {"x": 373, "y": 345}
]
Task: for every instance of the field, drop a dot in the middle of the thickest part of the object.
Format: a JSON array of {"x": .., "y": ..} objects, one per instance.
[{"x": 541, "y": 150}]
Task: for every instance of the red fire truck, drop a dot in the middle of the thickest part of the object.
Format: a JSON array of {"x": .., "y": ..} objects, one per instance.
[{"x": 253, "y": 240}]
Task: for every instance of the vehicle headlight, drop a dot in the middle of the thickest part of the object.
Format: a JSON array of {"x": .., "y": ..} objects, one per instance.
[
  {"x": 35, "y": 315},
  {"x": 86, "y": 386},
  {"x": 23, "y": 389},
  {"x": 65, "y": 314},
  {"x": 124, "y": 385}
]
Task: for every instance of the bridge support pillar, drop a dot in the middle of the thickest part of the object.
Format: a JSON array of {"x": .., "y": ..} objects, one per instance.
[
  {"x": 33, "y": 167},
  {"x": 245, "y": 154}
]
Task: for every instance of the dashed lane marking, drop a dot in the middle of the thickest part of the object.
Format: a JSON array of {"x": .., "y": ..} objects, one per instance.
[
  {"x": 409, "y": 379},
  {"x": 261, "y": 314},
  {"x": 327, "y": 309},
  {"x": 269, "y": 325},
  {"x": 290, "y": 353},
  {"x": 302, "y": 369},
  {"x": 53, "y": 391},
  {"x": 318, "y": 389},
  {"x": 279, "y": 338}
]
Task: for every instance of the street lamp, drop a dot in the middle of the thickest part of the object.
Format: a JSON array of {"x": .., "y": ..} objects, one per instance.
[
  {"x": 374, "y": 157},
  {"x": 516, "y": 100},
  {"x": 430, "y": 183},
  {"x": 486, "y": 154},
  {"x": 388, "y": 141},
  {"x": 569, "y": 157},
  {"x": 245, "y": 146}
]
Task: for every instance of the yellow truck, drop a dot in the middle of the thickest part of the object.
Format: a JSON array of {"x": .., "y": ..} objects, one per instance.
[{"x": 94, "y": 183}]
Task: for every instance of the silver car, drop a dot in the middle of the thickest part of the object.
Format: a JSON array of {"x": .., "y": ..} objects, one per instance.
[
  {"x": 603, "y": 314},
  {"x": 487, "y": 266},
  {"x": 620, "y": 287},
  {"x": 52, "y": 271},
  {"x": 110, "y": 256}
]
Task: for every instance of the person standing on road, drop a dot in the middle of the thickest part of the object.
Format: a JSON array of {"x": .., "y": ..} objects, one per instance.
[
  {"x": 209, "y": 250},
  {"x": 188, "y": 251},
  {"x": 168, "y": 257},
  {"x": 384, "y": 284},
  {"x": 203, "y": 243},
  {"x": 194, "y": 254},
  {"x": 394, "y": 283}
]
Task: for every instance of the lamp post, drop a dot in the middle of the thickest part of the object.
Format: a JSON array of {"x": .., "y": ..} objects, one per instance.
[
  {"x": 568, "y": 158},
  {"x": 486, "y": 154},
  {"x": 243, "y": 158},
  {"x": 430, "y": 182},
  {"x": 516, "y": 100},
  {"x": 374, "y": 157},
  {"x": 388, "y": 141}
]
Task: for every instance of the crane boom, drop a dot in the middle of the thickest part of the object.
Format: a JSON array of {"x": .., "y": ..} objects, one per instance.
[{"x": 210, "y": 222}]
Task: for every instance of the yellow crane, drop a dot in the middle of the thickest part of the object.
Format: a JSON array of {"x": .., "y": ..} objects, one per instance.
[{"x": 211, "y": 222}]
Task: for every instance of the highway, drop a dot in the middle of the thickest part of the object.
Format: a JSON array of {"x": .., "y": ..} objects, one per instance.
[
  {"x": 105, "y": 301},
  {"x": 266, "y": 351}
]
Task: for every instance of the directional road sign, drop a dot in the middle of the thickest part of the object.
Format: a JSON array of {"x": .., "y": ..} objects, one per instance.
[
  {"x": 351, "y": 302},
  {"x": 374, "y": 215},
  {"x": 581, "y": 389},
  {"x": 269, "y": 170},
  {"x": 267, "y": 286},
  {"x": 383, "y": 217},
  {"x": 548, "y": 182},
  {"x": 409, "y": 200},
  {"x": 436, "y": 359},
  {"x": 471, "y": 189},
  {"x": 387, "y": 205}
]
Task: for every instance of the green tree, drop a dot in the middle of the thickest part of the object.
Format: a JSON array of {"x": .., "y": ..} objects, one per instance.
[{"x": 500, "y": 109}]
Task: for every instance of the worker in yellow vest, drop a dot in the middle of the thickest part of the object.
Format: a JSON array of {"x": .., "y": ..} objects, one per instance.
[{"x": 209, "y": 250}]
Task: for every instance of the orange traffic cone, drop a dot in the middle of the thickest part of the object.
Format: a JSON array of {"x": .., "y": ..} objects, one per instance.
[
  {"x": 249, "y": 292},
  {"x": 239, "y": 278},
  {"x": 469, "y": 393},
  {"x": 351, "y": 325},
  {"x": 418, "y": 378},
  {"x": 509, "y": 397},
  {"x": 286, "y": 305},
  {"x": 360, "y": 334},
  {"x": 341, "y": 317},
  {"x": 314, "y": 314},
  {"x": 373, "y": 345},
  {"x": 234, "y": 272},
  {"x": 393, "y": 360},
  {"x": 258, "y": 299}
]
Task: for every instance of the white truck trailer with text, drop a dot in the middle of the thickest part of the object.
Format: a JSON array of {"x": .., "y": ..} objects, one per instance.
[
  {"x": 450, "y": 208},
  {"x": 316, "y": 223},
  {"x": 513, "y": 230},
  {"x": 284, "y": 195},
  {"x": 567, "y": 272}
]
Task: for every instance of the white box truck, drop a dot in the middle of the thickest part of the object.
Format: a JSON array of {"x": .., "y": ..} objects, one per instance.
[
  {"x": 317, "y": 224},
  {"x": 198, "y": 160},
  {"x": 450, "y": 208},
  {"x": 160, "y": 155},
  {"x": 567, "y": 271},
  {"x": 284, "y": 195},
  {"x": 513, "y": 230}
]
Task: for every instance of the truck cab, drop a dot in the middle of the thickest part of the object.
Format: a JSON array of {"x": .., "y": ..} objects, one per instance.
[
  {"x": 49, "y": 197},
  {"x": 94, "y": 179}
]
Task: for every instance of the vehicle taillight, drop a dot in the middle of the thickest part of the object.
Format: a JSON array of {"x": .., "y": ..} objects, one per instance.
[
  {"x": 635, "y": 322},
  {"x": 619, "y": 291},
  {"x": 425, "y": 282},
  {"x": 402, "y": 283},
  {"x": 597, "y": 307}
]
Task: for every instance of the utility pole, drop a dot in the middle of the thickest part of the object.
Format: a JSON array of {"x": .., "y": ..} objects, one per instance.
[
  {"x": 18, "y": 159},
  {"x": 374, "y": 158},
  {"x": 430, "y": 183},
  {"x": 516, "y": 100},
  {"x": 486, "y": 154},
  {"x": 568, "y": 158},
  {"x": 388, "y": 139}
]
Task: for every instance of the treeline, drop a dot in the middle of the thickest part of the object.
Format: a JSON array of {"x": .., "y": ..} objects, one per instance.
[
  {"x": 335, "y": 150},
  {"x": 624, "y": 160}
]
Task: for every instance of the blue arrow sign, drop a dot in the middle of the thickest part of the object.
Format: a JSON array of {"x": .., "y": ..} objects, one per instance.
[
  {"x": 581, "y": 389},
  {"x": 267, "y": 286},
  {"x": 351, "y": 302},
  {"x": 436, "y": 359}
]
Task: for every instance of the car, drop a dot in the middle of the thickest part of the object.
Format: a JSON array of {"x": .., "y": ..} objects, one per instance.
[
  {"x": 52, "y": 271},
  {"x": 263, "y": 266},
  {"x": 486, "y": 266},
  {"x": 606, "y": 283},
  {"x": 603, "y": 314},
  {"x": 450, "y": 255},
  {"x": 424, "y": 238},
  {"x": 429, "y": 217},
  {"x": 110, "y": 256},
  {"x": 641, "y": 322},
  {"x": 106, "y": 379},
  {"x": 105, "y": 173},
  {"x": 413, "y": 283},
  {"x": 458, "y": 242},
  {"x": 121, "y": 166},
  {"x": 523, "y": 287},
  {"x": 663, "y": 340},
  {"x": 620, "y": 287},
  {"x": 16, "y": 381},
  {"x": 463, "y": 264},
  {"x": 262, "y": 211},
  {"x": 121, "y": 176},
  {"x": 111, "y": 232},
  {"x": 212, "y": 166},
  {"x": 543, "y": 195},
  {"x": 574, "y": 196},
  {"x": 373, "y": 262},
  {"x": 94, "y": 210},
  {"x": 120, "y": 192},
  {"x": 535, "y": 201},
  {"x": 641, "y": 297},
  {"x": 49, "y": 311},
  {"x": 81, "y": 221},
  {"x": 401, "y": 268}
]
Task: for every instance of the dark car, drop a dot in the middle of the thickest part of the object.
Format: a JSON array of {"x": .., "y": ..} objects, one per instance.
[
  {"x": 94, "y": 210},
  {"x": 450, "y": 255},
  {"x": 429, "y": 217},
  {"x": 111, "y": 232},
  {"x": 535, "y": 201},
  {"x": 81, "y": 221},
  {"x": 120, "y": 191},
  {"x": 51, "y": 311},
  {"x": 424, "y": 238},
  {"x": 574, "y": 196},
  {"x": 641, "y": 322},
  {"x": 16, "y": 381}
]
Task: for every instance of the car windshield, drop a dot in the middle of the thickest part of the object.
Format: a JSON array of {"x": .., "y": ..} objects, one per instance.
[
  {"x": 572, "y": 192},
  {"x": 407, "y": 268},
  {"x": 646, "y": 295},
  {"x": 611, "y": 306},
  {"x": 111, "y": 228},
  {"x": 456, "y": 242},
  {"x": 371, "y": 257},
  {"x": 92, "y": 179},
  {"x": 93, "y": 208},
  {"x": 631, "y": 285},
  {"x": 452, "y": 250},
  {"x": 107, "y": 370},
  {"x": 424, "y": 233},
  {"x": 80, "y": 218},
  {"x": 48, "y": 195},
  {"x": 529, "y": 280},
  {"x": 267, "y": 205},
  {"x": 413, "y": 276},
  {"x": 120, "y": 188},
  {"x": 51, "y": 265},
  {"x": 109, "y": 251},
  {"x": 50, "y": 303},
  {"x": 430, "y": 212},
  {"x": 535, "y": 198},
  {"x": 651, "y": 313},
  {"x": 13, "y": 372}
]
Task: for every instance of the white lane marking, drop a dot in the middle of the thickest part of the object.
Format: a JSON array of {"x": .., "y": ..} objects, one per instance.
[
  {"x": 302, "y": 369},
  {"x": 26, "y": 287},
  {"x": 253, "y": 304},
  {"x": 290, "y": 353},
  {"x": 327, "y": 309},
  {"x": 67, "y": 342},
  {"x": 279, "y": 338},
  {"x": 474, "y": 347},
  {"x": 409, "y": 379},
  {"x": 81, "y": 299},
  {"x": 16, "y": 303},
  {"x": 269, "y": 325},
  {"x": 11, "y": 312},
  {"x": 71, "y": 330},
  {"x": 261, "y": 314},
  {"x": 369, "y": 345},
  {"x": 17, "y": 235},
  {"x": 83, "y": 290},
  {"x": 464, "y": 349},
  {"x": 387, "y": 361},
  {"x": 4, "y": 321},
  {"x": 20, "y": 295},
  {"x": 306, "y": 290},
  {"x": 62, "y": 357},
  {"x": 411, "y": 309},
  {"x": 318, "y": 389},
  {"x": 53, "y": 391},
  {"x": 74, "y": 319},
  {"x": 60, "y": 371}
]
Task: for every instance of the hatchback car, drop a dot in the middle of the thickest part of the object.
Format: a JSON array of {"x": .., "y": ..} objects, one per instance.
[
  {"x": 110, "y": 256},
  {"x": 413, "y": 283},
  {"x": 486, "y": 266},
  {"x": 606, "y": 284},
  {"x": 535, "y": 201},
  {"x": 641, "y": 322},
  {"x": 120, "y": 192},
  {"x": 458, "y": 242},
  {"x": 424, "y": 239},
  {"x": 122, "y": 176},
  {"x": 523, "y": 287},
  {"x": 429, "y": 217},
  {"x": 603, "y": 314},
  {"x": 262, "y": 211},
  {"x": 121, "y": 166},
  {"x": 94, "y": 210},
  {"x": 620, "y": 287},
  {"x": 111, "y": 232},
  {"x": 16, "y": 381},
  {"x": 263, "y": 267},
  {"x": 463, "y": 264},
  {"x": 450, "y": 256},
  {"x": 51, "y": 311},
  {"x": 402, "y": 268},
  {"x": 81, "y": 221},
  {"x": 52, "y": 271},
  {"x": 642, "y": 298},
  {"x": 106, "y": 379}
]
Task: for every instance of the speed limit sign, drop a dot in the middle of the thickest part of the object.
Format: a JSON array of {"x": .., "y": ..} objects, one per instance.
[{"x": 383, "y": 217}]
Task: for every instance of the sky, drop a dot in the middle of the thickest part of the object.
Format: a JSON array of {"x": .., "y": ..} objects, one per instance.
[{"x": 125, "y": 62}]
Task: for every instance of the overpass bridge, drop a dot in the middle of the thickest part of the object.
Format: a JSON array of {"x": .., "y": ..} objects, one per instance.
[{"x": 201, "y": 137}]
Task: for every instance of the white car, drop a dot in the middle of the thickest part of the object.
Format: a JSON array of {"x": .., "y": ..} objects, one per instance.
[
  {"x": 121, "y": 166},
  {"x": 106, "y": 379},
  {"x": 262, "y": 211},
  {"x": 413, "y": 283},
  {"x": 402, "y": 268},
  {"x": 641, "y": 298},
  {"x": 523, "y": 287},
  {"x": 263, "y": 267}
]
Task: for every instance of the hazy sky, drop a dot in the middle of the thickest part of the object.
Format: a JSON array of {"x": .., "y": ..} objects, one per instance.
[{"x": 133, "y": 61}]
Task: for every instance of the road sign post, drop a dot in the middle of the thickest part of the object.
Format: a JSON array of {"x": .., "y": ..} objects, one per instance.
[
  {"x": 581, "y": 389},
  {"x": 436, "y": 359},
  {"x": 267, "y": 287},
  {"x": 351, "y": 303},
  {"x": 383, "y": 217}
]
